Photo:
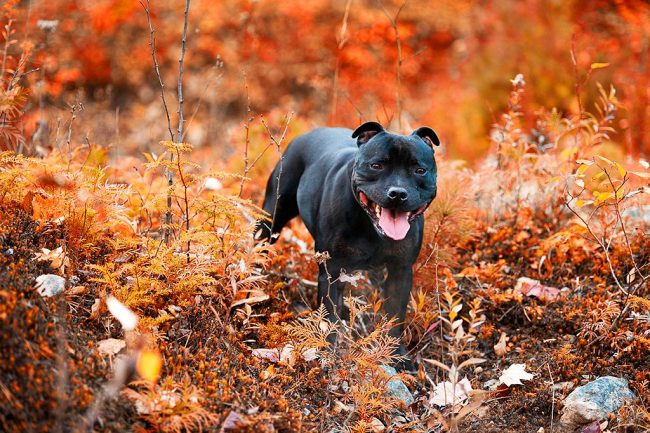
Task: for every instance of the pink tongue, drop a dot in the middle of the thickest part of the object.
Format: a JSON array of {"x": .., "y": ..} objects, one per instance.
[{"x": 395, "y": 224}]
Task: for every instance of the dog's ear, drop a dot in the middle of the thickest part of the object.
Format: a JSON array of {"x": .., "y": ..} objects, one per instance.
[
  {"x": 428, "y": 135},
  {"x": 366, "y": 131}
]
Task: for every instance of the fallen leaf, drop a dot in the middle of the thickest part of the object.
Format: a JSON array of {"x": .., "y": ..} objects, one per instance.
[
  {"x": 351, "y": 278},
  {"x": 76, "y": 291},
  {"x": 110, "y": 346},
  {"x": 269, "y": 372},
  {"x": 122, "y": 313},
  {"x": 286, "y": 355},
  {"x": 97, "y": 309},
  {"x": 255, "y": 296},
  {"x": 500, "y": 348},
  {"x": 149, "y": 365},
  {"x": 530, "y": 287},
  {"x": 58, "y": 259},
  {"x": 272, "y": 355},
  {"x": 233, "y": 421},
  {"x": 339, "y": 407},
  {"x": 514, "y": 374},
  {"x": 593, "y": 427},
  {"x": 49, "y": 285},
  {"x": 377, "y": 426},
  {"x": 446, "y": 394}
]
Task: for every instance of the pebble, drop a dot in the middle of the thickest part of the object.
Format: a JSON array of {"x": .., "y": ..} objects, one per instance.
[
  {"x": 596, "y": 399},
  {"x": 396, "y": 387},
  {"x": 49, "y": 285}
]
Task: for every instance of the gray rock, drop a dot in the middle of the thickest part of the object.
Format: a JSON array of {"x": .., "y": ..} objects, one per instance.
[
  {"x": 593, "y": 401},
  {"x": 396, "y": 387},
  {"x": 492, "y": 384},
  {"x": 49, "y": 285}
]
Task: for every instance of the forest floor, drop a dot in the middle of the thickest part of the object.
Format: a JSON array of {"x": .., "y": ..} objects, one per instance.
[{"x": 52, "y": 370}]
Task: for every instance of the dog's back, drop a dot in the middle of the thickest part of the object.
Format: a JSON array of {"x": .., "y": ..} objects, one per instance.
[{"x": 322, "y": 147}]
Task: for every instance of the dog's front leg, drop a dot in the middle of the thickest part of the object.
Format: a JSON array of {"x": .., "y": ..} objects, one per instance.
[{"x": 397, "y": 290}]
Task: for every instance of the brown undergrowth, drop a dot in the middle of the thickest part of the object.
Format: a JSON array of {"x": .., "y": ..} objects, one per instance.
[{"x": 228, "y": 336}]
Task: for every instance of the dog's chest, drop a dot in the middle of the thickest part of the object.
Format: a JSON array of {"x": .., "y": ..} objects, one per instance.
[{"x": 362, "y": 254}]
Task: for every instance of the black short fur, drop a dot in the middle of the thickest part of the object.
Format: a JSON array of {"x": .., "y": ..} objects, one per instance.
[{"x": 325, "y": 175}]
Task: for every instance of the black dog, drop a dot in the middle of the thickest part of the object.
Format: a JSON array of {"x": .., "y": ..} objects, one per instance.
[{"x": 362, "y": 202}]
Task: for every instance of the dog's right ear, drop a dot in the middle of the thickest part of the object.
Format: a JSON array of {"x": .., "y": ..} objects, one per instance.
[{"x": 366, "y": 131}]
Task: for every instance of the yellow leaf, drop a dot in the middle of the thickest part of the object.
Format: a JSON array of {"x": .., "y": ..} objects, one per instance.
[
  {"x": 603, "y": 196},
  {"x": 602, "y": 158},
  {"x": 599, "y": 65},
  {"x": 149, "y": 365},
  {"x": 599, "y": 175},
  {"x": 580, "y": 203}
]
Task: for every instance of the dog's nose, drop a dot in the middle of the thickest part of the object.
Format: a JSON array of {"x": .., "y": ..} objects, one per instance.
[{"x": 396, "y": 193}]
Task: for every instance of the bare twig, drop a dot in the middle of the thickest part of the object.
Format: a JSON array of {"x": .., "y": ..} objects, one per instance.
[
  {"x": 214, "y": 76},
  {"x": 247, "y": 127},
  {"x": 170, "y": 172},
  {"x": 394, "y": 23},
  {"x": 278, "y": 144},
  {"x": 605, "y": 246},
  {"x": 578, "y": 81},
  {"x": 552, "y": 396},
  {"x": 79, "y": 106},
  {"x": 5, "y": 53},
  {"x": 341, "y": 39},
  {"x": 179, "y": 135},
  {"x": 181, "y": 120},
  {"x": 152, "y": 44}
]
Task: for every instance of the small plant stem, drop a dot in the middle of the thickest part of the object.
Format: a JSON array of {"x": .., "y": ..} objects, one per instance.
[
  {"x": 278, "y": 144},
  {"x": 341, "y": 40},
  {"x": 179, "y": 135},
  {"x": 394, "y": 23},
  {"x": 152, "y": 44},
  {"x": 247, "y": 127},
  {"x": 169, "y": 173},
  {"x": 5, "y": 52}
]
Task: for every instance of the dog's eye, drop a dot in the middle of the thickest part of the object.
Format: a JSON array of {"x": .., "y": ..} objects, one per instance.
[
  {"x": 420, "y": 171},
  {"x": 376, "y": 166}
]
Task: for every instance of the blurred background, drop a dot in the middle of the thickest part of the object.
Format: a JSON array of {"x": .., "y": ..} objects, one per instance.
[{"x": 329, "y": 62}]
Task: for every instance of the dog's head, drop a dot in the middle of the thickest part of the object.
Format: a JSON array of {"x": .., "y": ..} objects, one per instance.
[{"x": 394, "y": 177}]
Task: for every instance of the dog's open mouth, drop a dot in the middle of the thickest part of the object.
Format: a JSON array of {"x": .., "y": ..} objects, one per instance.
[{"x": 390, "y": 222}]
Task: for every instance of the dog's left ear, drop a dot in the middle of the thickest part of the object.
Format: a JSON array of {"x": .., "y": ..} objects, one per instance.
[
  {"x": 366, "y": 131},
  {"x": 428, "y": 135}
]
